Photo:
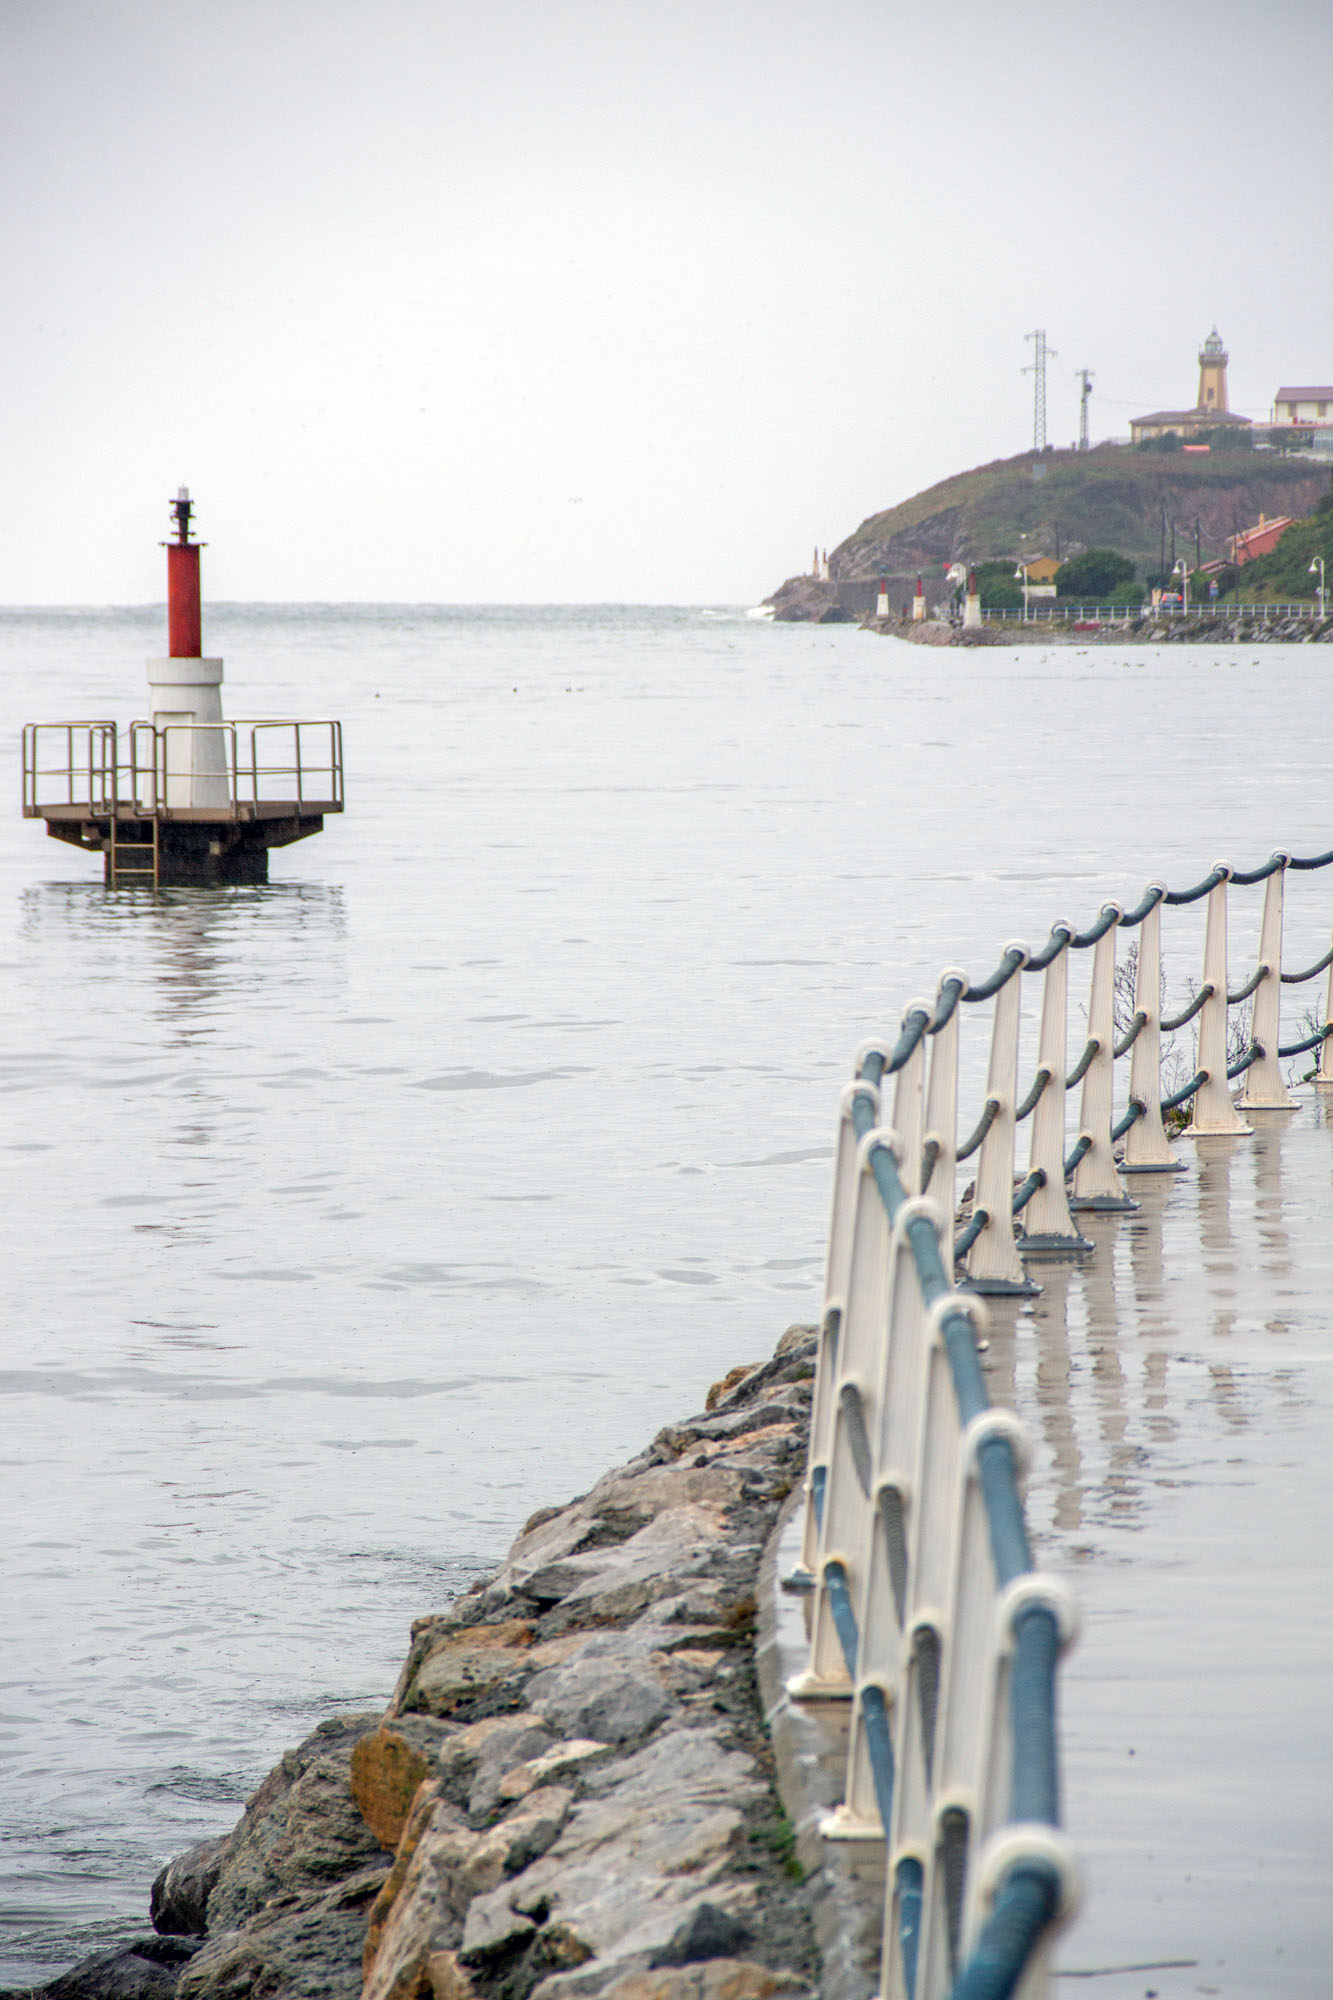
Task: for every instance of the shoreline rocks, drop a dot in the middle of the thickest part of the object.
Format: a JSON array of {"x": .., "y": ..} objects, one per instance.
[
  {"x": 571, "y": 1792},
  {"x": 1145, "y": 631}
]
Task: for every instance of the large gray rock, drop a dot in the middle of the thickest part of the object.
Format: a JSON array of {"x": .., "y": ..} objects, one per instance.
[
  {"x": 670, "y": 1814},
  {"x": 295, "y": 1947},
  {"x": 148, "y": 1969},
  {"x": 300, "y": 1832},
  {"x": 178, "y": 1904}
]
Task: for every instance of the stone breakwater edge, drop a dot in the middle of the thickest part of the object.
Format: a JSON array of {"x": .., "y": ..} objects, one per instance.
[
  {"x": 573, "y": 1791},
  {"x": 1123, "y": 632}
]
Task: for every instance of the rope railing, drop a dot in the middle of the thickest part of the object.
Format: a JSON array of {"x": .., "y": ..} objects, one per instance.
[{"x": 927, "y": 1613}]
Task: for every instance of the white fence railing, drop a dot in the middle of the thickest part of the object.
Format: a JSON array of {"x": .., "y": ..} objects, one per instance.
[
  {"x": 1117, "y": 614},
  {"x": 927, "y": 1613}
]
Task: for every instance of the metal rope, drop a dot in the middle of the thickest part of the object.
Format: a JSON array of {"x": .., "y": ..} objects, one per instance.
[
  {"x": 1033, "y": 1098},
  {"x": 1250, "y": 986},
  {"x": 1013, "y": 961},
  {"x": 1299, "y": 978},
  {"x": 1200, "y": 1000},
  {"x": 1131, "y": 1034},
  {"x": 1110, "y": 916},
  {"x": 1204, "y": 888},
  {"x": 983, "y": 1125},
  {"x": 1084, "y": 1063}
]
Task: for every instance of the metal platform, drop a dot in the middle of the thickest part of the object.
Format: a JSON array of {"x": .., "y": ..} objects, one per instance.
[{"x": 182, "y": 804}]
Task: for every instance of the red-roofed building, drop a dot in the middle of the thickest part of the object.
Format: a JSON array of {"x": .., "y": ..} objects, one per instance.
[{"x": 1257, "y": 541}]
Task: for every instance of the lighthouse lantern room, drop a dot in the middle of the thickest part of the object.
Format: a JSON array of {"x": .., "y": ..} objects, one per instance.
[{"x": 183, "y": 797}]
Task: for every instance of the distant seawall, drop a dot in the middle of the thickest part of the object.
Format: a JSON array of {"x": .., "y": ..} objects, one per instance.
[{"x": 810, "y": 600}]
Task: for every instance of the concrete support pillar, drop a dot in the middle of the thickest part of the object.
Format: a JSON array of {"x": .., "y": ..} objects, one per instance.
[{"x": 193, "y": 758}]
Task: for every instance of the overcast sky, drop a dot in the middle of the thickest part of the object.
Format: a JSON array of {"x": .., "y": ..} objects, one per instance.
[{"x": 562, "y": 300}]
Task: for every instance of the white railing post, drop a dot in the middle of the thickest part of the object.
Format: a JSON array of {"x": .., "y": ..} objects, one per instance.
[
  {"x": 1096, "y": 1178},
  {"x": 841, "y": 1220},
  {"x": 1147, "y": 1148},
  {"x": 909, "y": 1103},
  {"x": 993, "y": 1263},
  {"x": 1214, "y": 1113},
  {"x": 1048, "y": 1227},
  {"x": 1264, "y": 1088},
  {"x": 940, "y": 1137},
  {"x": 885, "y": 1570},
  {"x": 852, "y": 1427},
  {"x": 938, "y": 1485}
]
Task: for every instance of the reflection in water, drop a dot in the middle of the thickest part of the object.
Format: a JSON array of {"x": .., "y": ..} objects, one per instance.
[{"x": 1109, "y": 1362}]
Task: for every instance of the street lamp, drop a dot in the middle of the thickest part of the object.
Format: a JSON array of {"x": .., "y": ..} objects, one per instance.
[
  {"x": 1021, "y": 576},
  {"x": 1181, "y": 570},
  {"x": 1318, "y": 564}
]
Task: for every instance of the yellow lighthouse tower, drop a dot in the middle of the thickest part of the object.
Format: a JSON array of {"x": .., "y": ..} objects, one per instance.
[{"x": 1213, "y": 374}]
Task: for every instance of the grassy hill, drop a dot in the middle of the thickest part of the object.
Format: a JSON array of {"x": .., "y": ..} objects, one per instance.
[{"x": 1113, "y": 497}]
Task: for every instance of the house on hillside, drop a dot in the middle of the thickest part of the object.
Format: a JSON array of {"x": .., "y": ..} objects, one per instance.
[
  {"x": 1210, "y": 413},
  {"x": 1308, "y": 414},
  {"x": 1258, "y": 540},
  {"x": 1040, "y": 575}
]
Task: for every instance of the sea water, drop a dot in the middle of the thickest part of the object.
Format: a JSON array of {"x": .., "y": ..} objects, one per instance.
[{"x": 350, "y": 1219}]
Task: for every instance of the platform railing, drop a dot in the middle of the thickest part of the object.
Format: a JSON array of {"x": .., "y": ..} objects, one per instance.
[
  {"x": 69, "y": 764},
  {"x": 927, "y": 1612},
  {"x": 152, "y": 770}
]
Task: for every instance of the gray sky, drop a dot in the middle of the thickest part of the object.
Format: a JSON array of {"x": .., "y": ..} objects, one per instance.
[{"x": 568, "y": 300}]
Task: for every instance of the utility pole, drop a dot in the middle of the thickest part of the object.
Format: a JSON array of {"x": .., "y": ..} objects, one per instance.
[
  {"x": 1198, "y": 543},
  {"x": 1041, "y": 353},
  {"x": 1085, "y": 377}
]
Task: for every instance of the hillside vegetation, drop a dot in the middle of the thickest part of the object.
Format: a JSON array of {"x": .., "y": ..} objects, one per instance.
[{"x": 1114, "y": 497}]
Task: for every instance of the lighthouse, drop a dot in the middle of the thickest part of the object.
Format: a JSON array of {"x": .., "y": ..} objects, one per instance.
[
  {"x": 183, "y": 797},
  {"x": 185, "y": 688}
]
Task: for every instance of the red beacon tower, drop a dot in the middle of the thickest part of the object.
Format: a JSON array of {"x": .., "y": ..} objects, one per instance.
[{"x": 183, "y": 798}]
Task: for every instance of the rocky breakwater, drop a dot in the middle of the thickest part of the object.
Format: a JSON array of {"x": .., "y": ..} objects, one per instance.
[
  {"x": 1160, "y": 630},
  {"x": 571, "y": 1791}
]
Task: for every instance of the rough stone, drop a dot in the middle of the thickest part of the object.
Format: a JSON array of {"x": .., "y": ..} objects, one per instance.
[
  {"x": 467, "y": 1662},
  {"x": 300, "y": 1831},
  {"x": 719, "y": 1979},
  {"x": 441, "y": 1867},
  {"x": 731, "y": 1380},
  {"x": 499, "y": 1754},
  {"x": 611, "y": 1690},
  {"x": 178, "y": 1904},
  {"x": 296, "y": 1947},
  {"x": 448, "y": 1977},
  {"x": 707, "y": 1932},
  {"x": 148, "y": 1969},
  {"x": 670, "y": 1813},
  {"x": 385, "y": 1771},
  {"x": 523, "y": 1778},
  {"x": 428, "y": 1807}
]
